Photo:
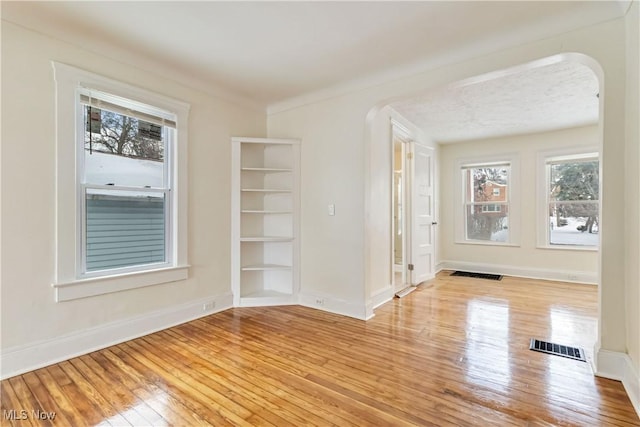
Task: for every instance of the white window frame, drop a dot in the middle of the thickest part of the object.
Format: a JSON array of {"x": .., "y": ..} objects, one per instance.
[
  {"x": 513, "y": 203},
  {"x": 493, "y": 207},
  {"x": 542, "y": 208},
  {"x": 70, "y": 282},
  {"x": 124, "y": 107}
]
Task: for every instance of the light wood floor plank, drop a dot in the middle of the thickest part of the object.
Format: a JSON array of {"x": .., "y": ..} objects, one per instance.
[
  {"x": 11, "y": 405},
  {"x": 452, "y": 353},
  {"x": 63, "y": 405},
  {"x": 44, "y": 398},
  {"x": 261, "y": 393},
  {"x": 211, "y": 411},
  {"x": 148, "y": 390},
  {"x": 338, "y": 411},
  {"x": 316, "y": 412}
]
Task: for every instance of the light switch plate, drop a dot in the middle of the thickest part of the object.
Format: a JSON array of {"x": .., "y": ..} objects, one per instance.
[{"x": 332, "y": 209}]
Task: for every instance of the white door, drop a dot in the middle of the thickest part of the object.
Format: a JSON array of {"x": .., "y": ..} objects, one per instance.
[{"x": 422, "y": 214}]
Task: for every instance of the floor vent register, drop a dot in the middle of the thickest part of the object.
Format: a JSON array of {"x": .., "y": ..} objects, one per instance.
[
  {"x": 557, "y": 349},
  {"x": 477, "y": 275}
]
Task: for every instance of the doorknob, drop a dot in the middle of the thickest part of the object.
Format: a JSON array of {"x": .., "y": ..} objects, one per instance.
[{"x": 434, "y": 223}]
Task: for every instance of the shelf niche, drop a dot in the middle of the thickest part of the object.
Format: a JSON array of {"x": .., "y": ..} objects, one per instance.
[{"x": 265, "y": 221}]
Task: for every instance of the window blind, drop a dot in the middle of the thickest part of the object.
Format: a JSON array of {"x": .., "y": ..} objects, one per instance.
[{"x": 97, "y": 102}]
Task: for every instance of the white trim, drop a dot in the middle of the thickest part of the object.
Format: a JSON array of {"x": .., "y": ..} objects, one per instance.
[
  {"x": 619, "y": 366},
  {"x": 571, "y": 276},
  {"x": 107, "y": 284},
  {"x": 68, "y": 80},
  {"x": 579, "y": 248},
  {"x": 357, "y": 310},
  {"x": 20, "y": 359},
  {"x": 542, "y": 196},
  {"x": 514, "y": 197},
  {"x": 381, "y": 297},
  {"x": 486, "y": 243},
  {"x": 285, "y": 141}
]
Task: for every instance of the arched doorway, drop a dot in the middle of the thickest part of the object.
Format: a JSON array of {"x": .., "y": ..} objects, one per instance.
[{"x": 380, "y": 173}]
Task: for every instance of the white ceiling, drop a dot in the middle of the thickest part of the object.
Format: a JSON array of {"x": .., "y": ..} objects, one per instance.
[{"x": 269, "y": 52}]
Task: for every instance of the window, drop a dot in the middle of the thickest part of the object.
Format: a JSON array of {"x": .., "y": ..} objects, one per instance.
[
  {"x": 491, "y": 208},
  {"x": 124, "y": 184},
  {"x": 120, "y": 185},
  {"x": 486, "y": 202},
  {"x": 572, "y": 200}
]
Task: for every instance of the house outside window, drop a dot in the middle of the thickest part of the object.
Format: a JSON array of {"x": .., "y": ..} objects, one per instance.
[
  {"x": 486, "y": 204},
  {"x": 573, "y": 201}
]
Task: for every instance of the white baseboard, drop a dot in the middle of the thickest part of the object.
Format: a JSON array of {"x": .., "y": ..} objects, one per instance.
[
  {"x": 618, "y": 366},
  {"x": 380, "y": 297},
  {"x": 334, "y": 305},
  {"x": 517, "y": 271},
  {"x": 20, "y": 359}
]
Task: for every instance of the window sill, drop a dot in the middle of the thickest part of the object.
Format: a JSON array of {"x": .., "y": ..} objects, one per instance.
[
  {"x": 569, "y": 248},
  {"x": 103, "y": 285},
  {"x": 487, "y": 243}
]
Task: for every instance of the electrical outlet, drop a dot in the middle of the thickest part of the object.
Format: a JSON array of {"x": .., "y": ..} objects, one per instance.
[
  {"x": 208, "y": 306},
  {"x": 572, "y": 277},
  {"x": 319, "y": 301}
]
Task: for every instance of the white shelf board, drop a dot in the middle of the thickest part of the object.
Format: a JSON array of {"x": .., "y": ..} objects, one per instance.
[
  {"x": 266, "y": 239},
  {"x": 265, "y": 267},
  {"x": 266, "y": 298},
  {"x": 267, "y": 170},
  {"x": 265, "y": 190},
  {"x": 266, "y": 293},
  {"x": 246, "y": 211}
]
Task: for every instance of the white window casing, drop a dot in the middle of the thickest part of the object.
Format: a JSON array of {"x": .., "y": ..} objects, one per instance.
[
  {"x": 73, "y": 87},
  {"x": 544, "y": 161},
  {"x": 512, "y": 204}
]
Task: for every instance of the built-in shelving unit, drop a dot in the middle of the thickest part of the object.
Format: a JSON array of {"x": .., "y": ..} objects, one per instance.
[{"x": 265, "y": 221}]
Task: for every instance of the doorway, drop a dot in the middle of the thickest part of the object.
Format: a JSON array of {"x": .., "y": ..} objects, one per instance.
[
  {"x": 401, "y": 238},
  {"x": 413, "y": 241}
]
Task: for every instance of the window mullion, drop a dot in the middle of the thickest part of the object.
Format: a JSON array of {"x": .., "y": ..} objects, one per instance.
[{"x": 125, "y": 188}]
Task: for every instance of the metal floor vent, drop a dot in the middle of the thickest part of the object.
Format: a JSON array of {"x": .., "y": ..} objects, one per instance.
[
  {"x": 557, "y": 349},
  {"x": 477, "y": 275}
]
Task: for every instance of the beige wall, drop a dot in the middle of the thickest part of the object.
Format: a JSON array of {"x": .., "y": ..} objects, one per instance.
[
  {"x": 332, "y": 172},
  {"x": 339, "y": 147},
  {"x": 525, "y": 256},
  {"x": 29, "y": 312},
  {"x": 632, "y": 182}
]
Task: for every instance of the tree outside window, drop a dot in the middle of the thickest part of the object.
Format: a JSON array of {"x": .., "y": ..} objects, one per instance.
[
  {"x": 114, "y": 133},
  {"x": 574, "y": 201}
]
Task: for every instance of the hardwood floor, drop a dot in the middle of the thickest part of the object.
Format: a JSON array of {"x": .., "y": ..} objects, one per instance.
[{"x": 451, "y": 353}]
